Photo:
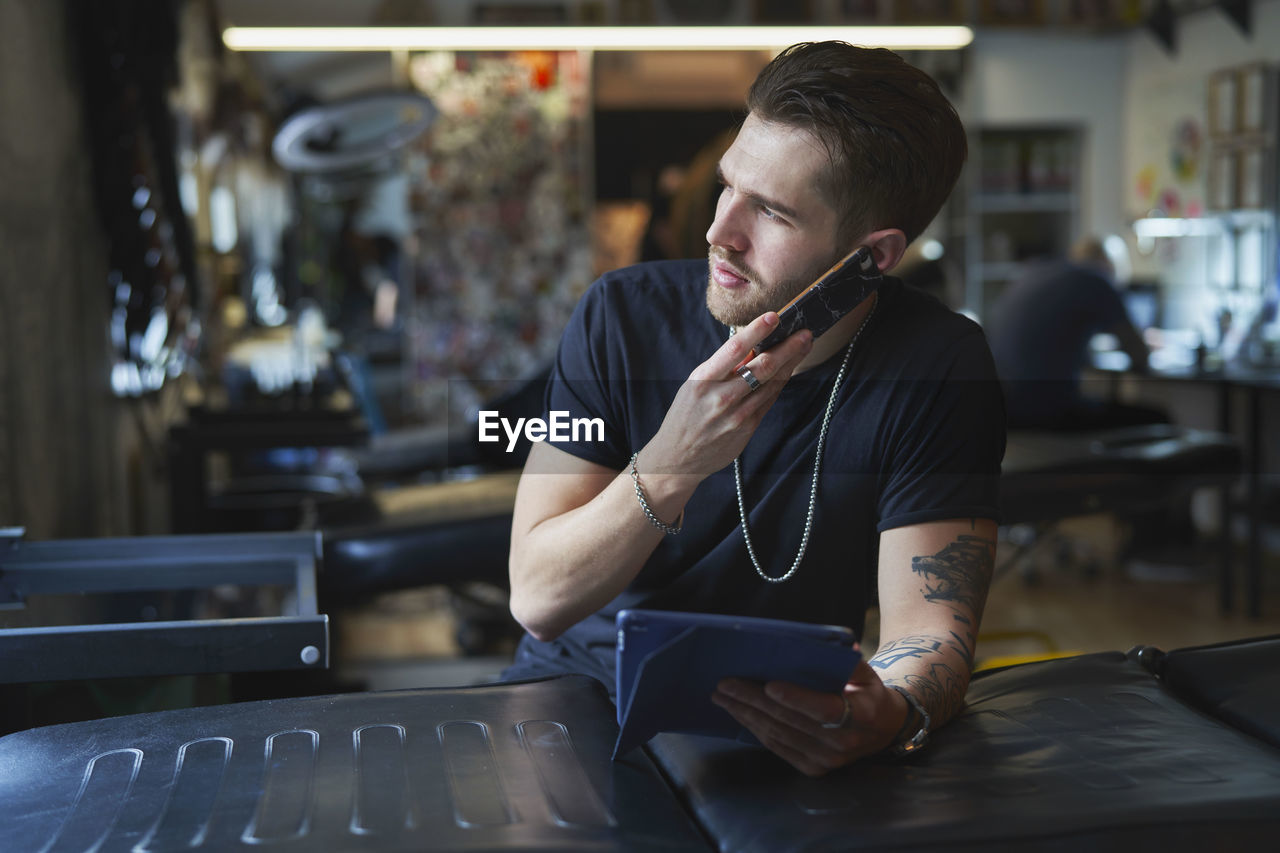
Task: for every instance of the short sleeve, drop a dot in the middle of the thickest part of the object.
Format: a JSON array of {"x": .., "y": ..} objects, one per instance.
[
  {"x": 580, "y": 396},
  {"x": 945, "y": 462}
]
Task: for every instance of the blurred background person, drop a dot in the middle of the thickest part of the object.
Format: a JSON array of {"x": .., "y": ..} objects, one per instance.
[{"x": 1040, "y": 330}]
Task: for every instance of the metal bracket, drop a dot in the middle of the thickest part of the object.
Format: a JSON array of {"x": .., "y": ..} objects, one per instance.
[
  {"x": 294, "y": 640},
  {"x": 10, "y": 597}
]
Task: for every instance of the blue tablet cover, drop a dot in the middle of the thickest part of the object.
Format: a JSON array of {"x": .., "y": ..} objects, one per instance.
[{"x": 668, "y": 664}]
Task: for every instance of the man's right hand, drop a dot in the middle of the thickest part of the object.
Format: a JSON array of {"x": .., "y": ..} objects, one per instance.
[{"x": 716, "y": 412}]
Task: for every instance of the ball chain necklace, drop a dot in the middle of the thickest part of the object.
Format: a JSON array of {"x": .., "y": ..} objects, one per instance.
[{"x": 817, "y": 466}]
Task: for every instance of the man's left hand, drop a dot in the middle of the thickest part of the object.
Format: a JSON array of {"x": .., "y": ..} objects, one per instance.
[{"x": 799, "y": 725}]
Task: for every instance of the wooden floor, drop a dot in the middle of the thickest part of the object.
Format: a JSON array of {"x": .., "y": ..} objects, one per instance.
[
  {"x": 1061, "y": 613},
  {"x": 1073, "y": 593}
]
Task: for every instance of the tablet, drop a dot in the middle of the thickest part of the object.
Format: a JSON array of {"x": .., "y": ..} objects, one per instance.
[{"x": 668, "y": 664}]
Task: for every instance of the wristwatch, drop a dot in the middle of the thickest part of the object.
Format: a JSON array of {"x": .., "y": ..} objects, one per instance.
[{"x": 913, "y": 743}]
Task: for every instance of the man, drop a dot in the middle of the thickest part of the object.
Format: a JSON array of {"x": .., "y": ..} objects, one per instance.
[
  {"x": 843, "y": 146},
  {"x": 1040, "y": 331}
]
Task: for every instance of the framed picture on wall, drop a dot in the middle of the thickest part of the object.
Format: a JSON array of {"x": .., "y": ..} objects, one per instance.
[
  {"x": 1223, "y": 179},
  {"x": 1252, "y": 81},
  {"x": 1251, "y": 169},
  {"x": 1223, "y": 98}
]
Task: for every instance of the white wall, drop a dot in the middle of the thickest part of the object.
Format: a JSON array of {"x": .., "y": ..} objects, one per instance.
[
  {"x": 1028, "y": 78},
  {"x": 1161, "y": 88},
  {"x": 1128, "y": 93},
  {"x": 1206, "y": 41}
]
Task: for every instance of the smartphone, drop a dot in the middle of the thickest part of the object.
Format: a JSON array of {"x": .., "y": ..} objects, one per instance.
[{"x": 836, "y": 292}]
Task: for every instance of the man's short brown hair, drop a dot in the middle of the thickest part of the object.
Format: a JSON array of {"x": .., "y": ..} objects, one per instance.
[{"x": 895, "y": 141}]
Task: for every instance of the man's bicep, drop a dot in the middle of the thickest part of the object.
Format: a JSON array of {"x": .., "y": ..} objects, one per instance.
[
  {"x": 554, "y": 482},
  {"x": 934, "y": 577}
]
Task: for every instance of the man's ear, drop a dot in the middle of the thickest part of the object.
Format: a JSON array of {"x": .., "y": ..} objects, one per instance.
[{"x": 886, "y": 247}]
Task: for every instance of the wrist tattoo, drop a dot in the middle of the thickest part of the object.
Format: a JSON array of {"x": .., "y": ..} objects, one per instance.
[{"x": 941, "y": 685}]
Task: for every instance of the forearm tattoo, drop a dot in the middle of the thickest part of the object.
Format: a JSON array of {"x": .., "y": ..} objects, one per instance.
[{"x": 956, "y": 577}]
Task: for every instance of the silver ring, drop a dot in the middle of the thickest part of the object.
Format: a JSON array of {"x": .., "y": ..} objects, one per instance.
[
  {"x": 749, "y": 378},
  {"x": 844, "y": 718}
]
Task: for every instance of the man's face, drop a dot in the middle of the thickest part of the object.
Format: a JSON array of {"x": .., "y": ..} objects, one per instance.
[{"x": 774, "y": 231}]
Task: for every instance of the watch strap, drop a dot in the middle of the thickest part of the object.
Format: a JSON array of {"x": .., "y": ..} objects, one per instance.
[{"x": 907, "y": 744}]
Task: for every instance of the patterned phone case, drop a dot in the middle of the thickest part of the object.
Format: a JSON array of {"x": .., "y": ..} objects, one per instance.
[{"x": 837, "y": 292}]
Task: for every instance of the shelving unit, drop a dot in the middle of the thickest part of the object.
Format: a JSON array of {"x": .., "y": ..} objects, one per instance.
[
  {"x": 1225, "y": 277},
  {"x": 1023, "y": 202},
  {"x": 1227, "y": 262}
]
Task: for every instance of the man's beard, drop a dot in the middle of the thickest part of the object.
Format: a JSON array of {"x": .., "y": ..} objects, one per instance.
[{"x": 761, "y": 295}]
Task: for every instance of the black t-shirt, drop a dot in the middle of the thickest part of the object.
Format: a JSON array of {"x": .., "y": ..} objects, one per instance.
[{"x": 917, "y": 435}]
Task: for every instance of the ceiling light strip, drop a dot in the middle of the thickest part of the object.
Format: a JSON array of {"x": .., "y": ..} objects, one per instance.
[{"x": 284, "y": 39}]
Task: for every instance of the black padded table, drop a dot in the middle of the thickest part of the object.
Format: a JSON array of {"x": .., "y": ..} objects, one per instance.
[
  {"x": 1137, "y": 751},
  {"x": 505, "y": 767},
  {"x": 1085, "y": 753}
]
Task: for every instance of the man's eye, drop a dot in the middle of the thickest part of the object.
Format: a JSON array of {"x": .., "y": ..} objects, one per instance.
[{"x": 768, "y": 213}]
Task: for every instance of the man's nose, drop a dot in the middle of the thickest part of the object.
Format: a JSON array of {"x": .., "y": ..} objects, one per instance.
[{"x": 726, "y": 229}]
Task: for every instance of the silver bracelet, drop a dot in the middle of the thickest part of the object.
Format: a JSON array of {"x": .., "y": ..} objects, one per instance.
[{"x": 669, "y": 529}]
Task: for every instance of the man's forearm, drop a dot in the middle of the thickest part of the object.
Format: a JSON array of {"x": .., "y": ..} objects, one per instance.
[
  {"x": 935, "y": 669},
  {"x": 931, "y": 612},
  {"x": 567, "y": 566}
]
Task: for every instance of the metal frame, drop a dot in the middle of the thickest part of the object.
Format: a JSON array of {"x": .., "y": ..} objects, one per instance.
[{"x": 135, "y": 564}]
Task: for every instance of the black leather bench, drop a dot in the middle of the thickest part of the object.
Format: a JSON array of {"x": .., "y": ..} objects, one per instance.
[
  {"x": 1088, "y": 753},
  {"x": 1107, "y": 751},
  {"x": 1046, "y": 476},
  {"x": 1051, "y": 475},
  {"x": 452, "y": 531}
]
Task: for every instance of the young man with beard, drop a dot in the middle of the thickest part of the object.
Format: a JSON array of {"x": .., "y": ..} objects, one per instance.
[{"x": 843, "y": 147}]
